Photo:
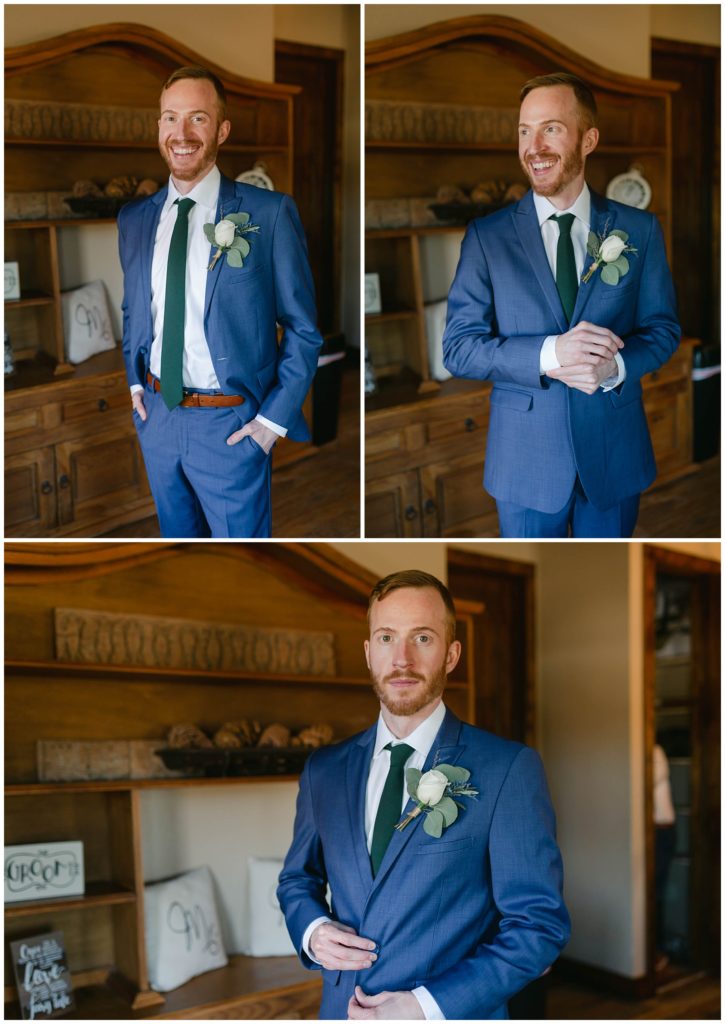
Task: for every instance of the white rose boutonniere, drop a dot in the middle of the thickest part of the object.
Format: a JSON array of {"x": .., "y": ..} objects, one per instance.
[
  {"x": 435, "y": 793},
  {"x": 609, "y": 249},
  {"x": 229, "y": 237}
]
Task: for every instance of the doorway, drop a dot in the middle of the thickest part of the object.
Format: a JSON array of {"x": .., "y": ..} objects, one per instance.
[
  {"x": 317, "y": 163},
  {"x": 682, "y": 715},
  {"x": 503, "y": 639}
]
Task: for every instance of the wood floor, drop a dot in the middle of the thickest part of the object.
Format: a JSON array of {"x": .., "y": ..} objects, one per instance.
[
  {"x": 688, "y": 507},
  {"x": 696, "y": 999}
]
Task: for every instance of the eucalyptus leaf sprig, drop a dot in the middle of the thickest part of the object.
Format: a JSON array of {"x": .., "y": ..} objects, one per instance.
[
  {"x": 609, "y": 249},
  {"x": 435, "y": 793},
  {"x": 228, "y": 236}
]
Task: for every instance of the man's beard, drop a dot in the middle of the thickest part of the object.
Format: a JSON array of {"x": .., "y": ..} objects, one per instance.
[
  {"x": 203, "y": 158},
  {"x": 571, "y": 165},
  {"x": 410, "y": 704}
]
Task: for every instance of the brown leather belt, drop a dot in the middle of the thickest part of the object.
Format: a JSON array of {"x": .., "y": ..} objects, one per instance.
[{"x": 197, "y": 401}]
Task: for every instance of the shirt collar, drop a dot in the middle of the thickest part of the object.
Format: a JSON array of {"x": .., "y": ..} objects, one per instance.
[
  {"x": 421, "y": 739},
  {"x": 581, "y": 207},
  {"x": 205, "y": 193}
]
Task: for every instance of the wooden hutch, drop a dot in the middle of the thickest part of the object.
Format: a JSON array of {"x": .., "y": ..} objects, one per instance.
[
  {"x": 83, "y": 106},
  {"x": 442, "y": 108},
  {"x": 284, "y": 586}
]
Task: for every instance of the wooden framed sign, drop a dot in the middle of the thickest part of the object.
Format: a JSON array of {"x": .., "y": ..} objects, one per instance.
[
  {"x": 41, "y": 871},
  {"x": 42, "y": 976}
]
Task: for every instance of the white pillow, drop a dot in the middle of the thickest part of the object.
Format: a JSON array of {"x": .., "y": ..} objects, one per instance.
[
  {"x": 435, "y": 324},
  {"x": 86, "y": 322},
  {"x": 267, "y": 932},
  {"x": 183, "y": 937}
]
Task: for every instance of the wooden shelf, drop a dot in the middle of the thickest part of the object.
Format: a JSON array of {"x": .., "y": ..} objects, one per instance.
[
  {"x": 432, "y": 229},
  {"x": 398, "y": 314},
  {"x": 507, "y": 148},
  {"x": 98, "y": 894},
  {"x": 229, "y": 147},
  {"x": 33, "y": 299},
  {"x": 17, "y": 789},
  {"x": 143, "y": 673}
]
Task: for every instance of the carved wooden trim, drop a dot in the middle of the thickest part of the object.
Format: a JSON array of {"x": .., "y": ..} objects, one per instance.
[
  {"x": 120, "y": 35},
  {"x": 154, "y": 641},
  {"x": 391, "y": 51}
]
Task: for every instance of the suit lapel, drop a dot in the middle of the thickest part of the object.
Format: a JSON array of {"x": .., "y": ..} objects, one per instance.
[
  {"x": 601, "y": 221},
  {"x": 445, "y": 750},
  {"x": 358, "y": 769},
  {"x": 149, "y": 224},
  {"x": 227, "y": 203},
  {"x": 527, "y": 228}
]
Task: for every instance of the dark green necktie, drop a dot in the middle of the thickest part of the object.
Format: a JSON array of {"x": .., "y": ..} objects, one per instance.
[
  {"x": 172, "y": 345},
  {"x": 391, "y": 802},
  {"x": 567, "y": 282}
]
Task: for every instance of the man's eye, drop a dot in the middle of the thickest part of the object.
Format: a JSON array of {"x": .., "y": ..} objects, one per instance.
[
  {"x": 386, "y": 638},
  {"x": 423, "y": 638}
]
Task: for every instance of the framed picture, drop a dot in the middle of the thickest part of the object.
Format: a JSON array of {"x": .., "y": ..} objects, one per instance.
[
  {"x": 372, "y": 294},
  {"x": 38, "y": 871},
  {"x": 12, "y": 281},
  {"x": 42, "y": 976}
]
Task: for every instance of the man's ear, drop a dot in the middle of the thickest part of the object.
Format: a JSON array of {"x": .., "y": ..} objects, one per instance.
[
  {"x": 366, "y": 645},
  {"x": 590, "y": 140},
  {"x": 454, "y": 653},
  {"x": 223, "y": 134}
]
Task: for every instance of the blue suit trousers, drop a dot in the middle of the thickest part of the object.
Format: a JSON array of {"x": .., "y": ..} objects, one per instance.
[{"x": 202, "y": 486}]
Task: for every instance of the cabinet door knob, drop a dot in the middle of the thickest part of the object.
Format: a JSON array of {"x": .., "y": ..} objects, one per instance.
[
  {"x": 46, "y": 487},
  {"x": 469, "y": 424},
  {"x": 102, "y": 404},
  {"x": 411, "y": 512},
  {"x": 64, "y": 481},
  {"x": 429, "y": 507}
]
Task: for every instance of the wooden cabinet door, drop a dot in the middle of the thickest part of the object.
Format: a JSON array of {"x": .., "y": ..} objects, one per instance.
[
  {"x": 30, "y": 493},
  {"x": 98, "y": 476},
  {"x": 453, "y": 501},
  {"x": 392, "y": 506}
]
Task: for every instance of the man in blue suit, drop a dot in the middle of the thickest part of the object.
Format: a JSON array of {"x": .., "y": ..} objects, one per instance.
[
  {"x": 440, "y": 923},
  {"x": 211, "y": 388},
  {"x": 565, "y": 345}
]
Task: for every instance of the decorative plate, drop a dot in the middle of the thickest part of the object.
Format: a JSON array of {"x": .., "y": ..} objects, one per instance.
[
  {"x": 257, "y": 176},
  {"x": 630, "y": 188}
]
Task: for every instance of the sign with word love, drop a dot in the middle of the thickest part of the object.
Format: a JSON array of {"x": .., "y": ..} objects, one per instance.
[
  {"x": 42, "y": 871},
  {"x": 42, "y": 976}
]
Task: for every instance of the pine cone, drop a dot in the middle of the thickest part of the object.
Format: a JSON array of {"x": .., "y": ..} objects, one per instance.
[
  {"x": 314, "y": 736},
  {"x": 121, "y": 188},
  {"x": 275, "y": 735},
  {"x": 188, "y": 737}
]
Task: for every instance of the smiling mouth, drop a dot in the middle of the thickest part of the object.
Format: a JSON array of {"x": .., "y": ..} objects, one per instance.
[
  {"x": 184, "y": 151},
  {"x": 541, "y": 166}
]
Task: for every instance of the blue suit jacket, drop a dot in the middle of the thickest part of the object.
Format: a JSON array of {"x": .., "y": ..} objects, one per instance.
[
  {"x": 501, "y": 306},
  {"x": 474, "y": 916},
  {"x": 241, "y": 307}
]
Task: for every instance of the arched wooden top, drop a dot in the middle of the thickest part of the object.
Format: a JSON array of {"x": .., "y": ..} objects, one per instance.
[
  {"x": 137, "y": 41},
  {"x": 392, "y": 51}
]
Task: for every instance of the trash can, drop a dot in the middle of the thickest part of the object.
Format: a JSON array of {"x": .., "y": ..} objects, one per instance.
[
  {"x": 327, "y": 388},
  {"x": 706, "y": 402}
]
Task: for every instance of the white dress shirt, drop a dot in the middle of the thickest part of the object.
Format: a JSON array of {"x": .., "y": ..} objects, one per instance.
[
  {"x": 581, "y": 209},
  {"x": 198, "y": 369},
  {"x": 421, "y": 739}
]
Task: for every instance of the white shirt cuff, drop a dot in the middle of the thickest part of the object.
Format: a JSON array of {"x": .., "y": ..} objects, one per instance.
[
  {"x": 428, "y": 1005},
  {"x": 282, "y": 431},
  {"x": 614, "y": 381},
  {"x": 306, "y": 937},
  {"x": 135, "y": 388},
  {"x": 547, "y": 356}
]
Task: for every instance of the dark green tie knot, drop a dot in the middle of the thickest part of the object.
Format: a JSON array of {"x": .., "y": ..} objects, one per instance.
[
  {"x": 184, "y": 206},
  {"x": 565, "y": 221},
  {"x": 399, "y": 754}
]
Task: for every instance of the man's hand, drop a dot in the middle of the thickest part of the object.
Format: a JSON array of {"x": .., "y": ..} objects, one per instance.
[
  {"x": 587, "y": 343},
  {"x": 584, "y": 376},
  {"x": 338, "y": 947},
  {"x": 384, "y": 1006},
  {"x": 137, "y": 402},
  {"x": 264, "y": 436}
]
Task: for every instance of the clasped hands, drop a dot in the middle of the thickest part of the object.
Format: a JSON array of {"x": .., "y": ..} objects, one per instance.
[
  {"x": 339, "y": 948},
  {"x": 264, "y": 436},
  {"x": 586, "y": 356}
]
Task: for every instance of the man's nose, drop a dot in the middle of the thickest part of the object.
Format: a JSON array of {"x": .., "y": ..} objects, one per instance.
[{"x": 402, "y": 653}]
